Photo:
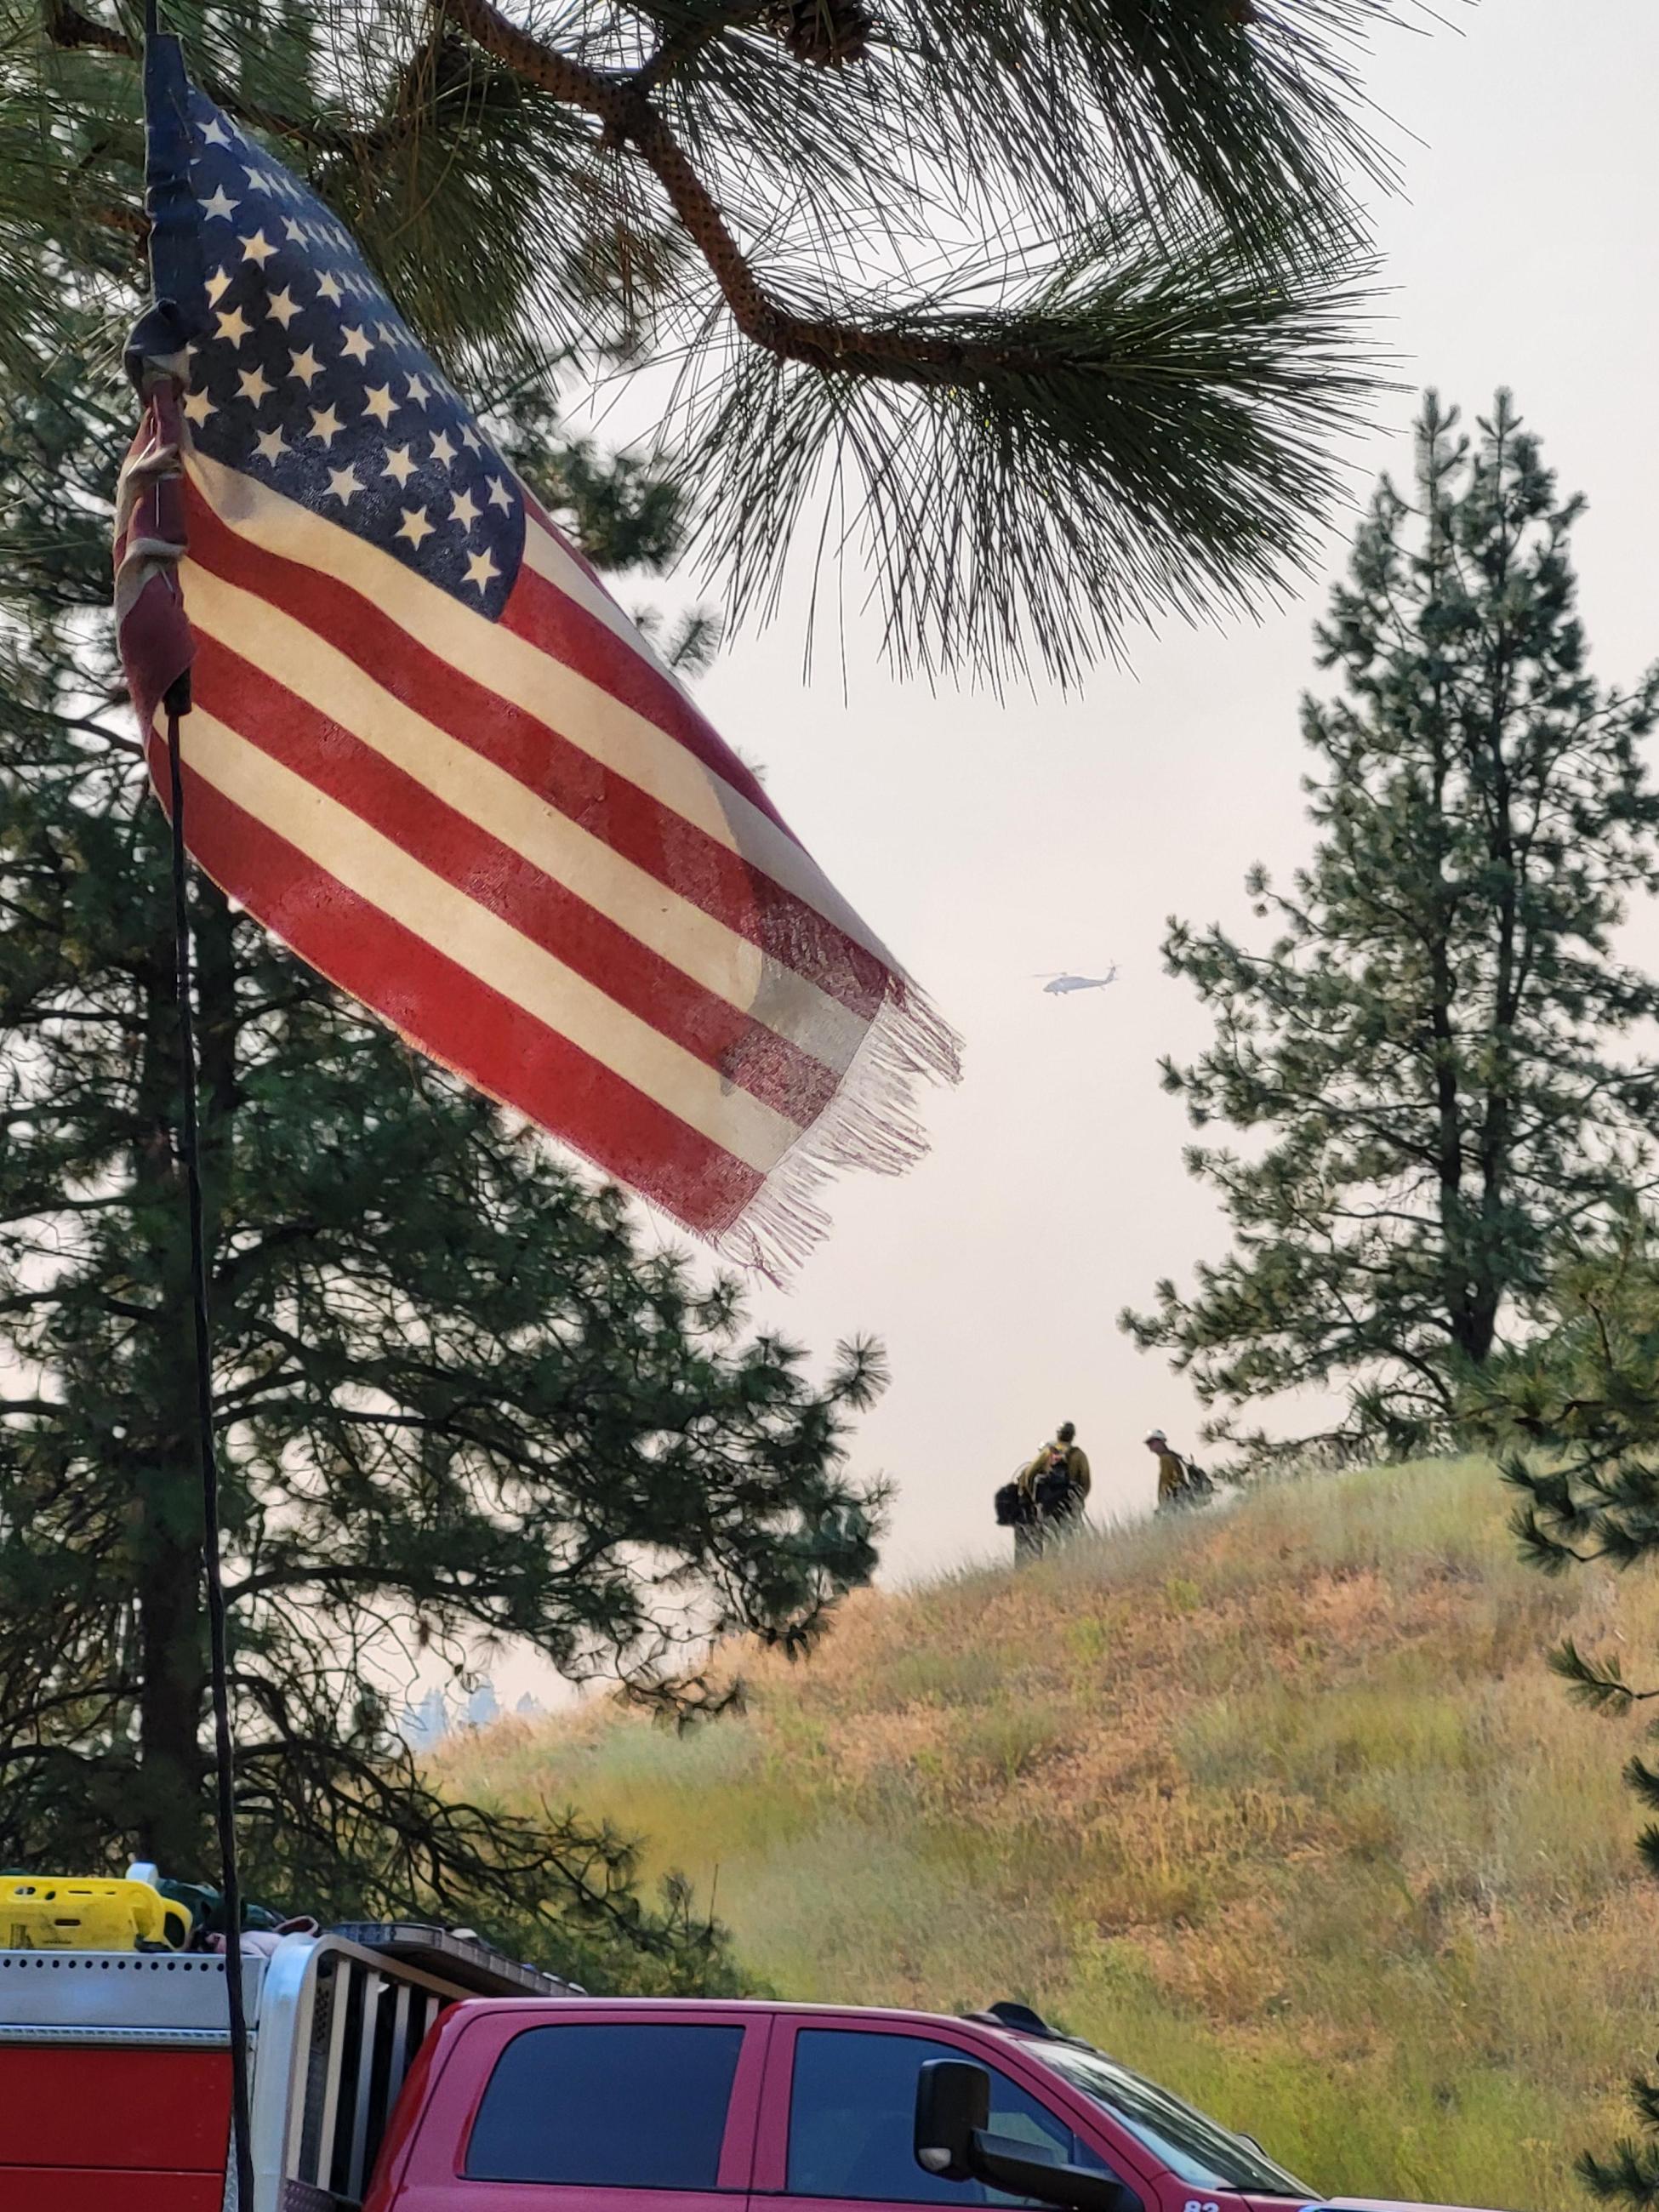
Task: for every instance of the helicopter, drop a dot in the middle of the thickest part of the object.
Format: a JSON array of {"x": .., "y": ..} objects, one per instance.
[{"x": 1060, "y": 981}]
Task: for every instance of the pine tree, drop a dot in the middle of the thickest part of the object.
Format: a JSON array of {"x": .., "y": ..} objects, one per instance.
[
  {"x": 1046, "y": 306},
  {"x": 1436, "y": 1056},
  {"x": 1574, "y": 1414},
  {"x": 462, "y": 1400}
]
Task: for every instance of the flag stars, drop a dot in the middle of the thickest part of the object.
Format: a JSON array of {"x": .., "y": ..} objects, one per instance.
[{"x": 437, "y": 495}]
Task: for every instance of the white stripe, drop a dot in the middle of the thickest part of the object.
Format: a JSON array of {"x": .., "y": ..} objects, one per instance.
[
  {"x": 549, "y": 558},
  {"x": 628, "y": 742},
  {"x": 346, "y": 847},
  {"x": 714, "y": 956}
]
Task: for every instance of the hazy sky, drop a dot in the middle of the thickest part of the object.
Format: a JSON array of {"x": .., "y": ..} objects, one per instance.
[{"x": 986, "y": 841}]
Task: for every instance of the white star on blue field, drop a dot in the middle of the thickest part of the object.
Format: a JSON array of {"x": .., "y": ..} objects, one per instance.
[{"x": 310, "y": 381}]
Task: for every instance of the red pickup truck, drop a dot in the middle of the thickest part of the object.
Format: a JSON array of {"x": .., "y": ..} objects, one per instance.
[
  {"x": 383, "y": 2083},
  {"x": 606, "y": 2105}
]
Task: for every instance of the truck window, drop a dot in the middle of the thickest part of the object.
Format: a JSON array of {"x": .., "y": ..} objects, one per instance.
[
  {"x": 852, "y": 2121},
  {"x": 612, "y": 2105},
  {"x": 1198, "y": 2150}
]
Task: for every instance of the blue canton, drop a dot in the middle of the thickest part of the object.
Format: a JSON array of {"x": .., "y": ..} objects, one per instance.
[{"x": 310, "y": 381}]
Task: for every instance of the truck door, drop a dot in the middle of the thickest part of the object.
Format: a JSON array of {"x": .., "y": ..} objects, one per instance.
[
  {"x": 837, "y": 2133},
  {"x": 621, "y": 2109}
]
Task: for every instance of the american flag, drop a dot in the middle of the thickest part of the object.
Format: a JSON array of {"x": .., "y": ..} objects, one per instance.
[{"x": 427, "y": 749}]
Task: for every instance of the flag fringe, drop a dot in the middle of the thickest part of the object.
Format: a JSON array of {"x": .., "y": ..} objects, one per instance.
[{"x": 871, "y": 1124}]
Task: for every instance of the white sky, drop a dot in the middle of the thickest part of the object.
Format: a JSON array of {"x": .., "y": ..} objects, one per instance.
[{"x": 985, "y": 841}]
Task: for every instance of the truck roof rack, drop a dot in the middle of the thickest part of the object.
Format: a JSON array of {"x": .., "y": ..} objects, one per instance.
[
  {"x": 464, "y": 1959},
  {"x": 1022, "y": 2020}
]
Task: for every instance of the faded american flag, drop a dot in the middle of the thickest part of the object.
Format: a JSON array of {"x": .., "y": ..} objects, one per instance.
[{"x": 427, "y": 750}]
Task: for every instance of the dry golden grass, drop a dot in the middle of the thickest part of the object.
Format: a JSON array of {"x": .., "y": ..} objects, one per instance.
[{"x": 1280, "y": 1805}]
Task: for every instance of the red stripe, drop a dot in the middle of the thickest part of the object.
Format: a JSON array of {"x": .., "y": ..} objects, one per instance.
[
  {"x": 536, "y": 610},
  {"x": 664, "y": 843},
  {"x": 743, "y": 1050},
  {"x": 445, "y": 1010}
]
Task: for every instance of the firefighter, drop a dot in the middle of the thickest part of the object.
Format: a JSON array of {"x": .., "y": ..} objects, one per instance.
[
  {"x": 1056, "y": 1482},
  {"x": 1171, "y": 1471}
]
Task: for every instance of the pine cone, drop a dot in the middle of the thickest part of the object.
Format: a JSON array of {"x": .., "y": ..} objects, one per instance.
[{"x": 829, "y": 34}]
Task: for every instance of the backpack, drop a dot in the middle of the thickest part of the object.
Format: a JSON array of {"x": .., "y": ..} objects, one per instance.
[
  {"x": 1052, "y": 1487},
  {"x": 1195, "y": 1484},
  {"x": 1014, "y": 1509}
]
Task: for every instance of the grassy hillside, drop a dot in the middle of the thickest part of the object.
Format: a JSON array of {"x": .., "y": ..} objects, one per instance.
[{"x": 1280, "y": 1805}]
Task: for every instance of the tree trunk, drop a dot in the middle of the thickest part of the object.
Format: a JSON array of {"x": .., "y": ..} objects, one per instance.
[
  {"x": 1450, "y": 1105},
  {"x": 1497, "y": 1132}
]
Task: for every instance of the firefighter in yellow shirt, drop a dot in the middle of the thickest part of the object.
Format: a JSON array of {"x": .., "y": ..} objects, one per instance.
[
  {"x": 1171, "y": 1472},
  {"x": 1057, "y": 1479}
]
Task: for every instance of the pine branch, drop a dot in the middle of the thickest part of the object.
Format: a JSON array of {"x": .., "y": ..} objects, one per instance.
[
  {"x": 1598, "y": 1684},
  {"x": 624, "y": 107},
  {"x": 66, "y": 27},
  {"x": 902, "y": 350},
  {"x": 1630, "y": 2176}
]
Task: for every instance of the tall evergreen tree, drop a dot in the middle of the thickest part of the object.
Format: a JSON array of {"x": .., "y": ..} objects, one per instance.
[
  {"x": 1438, "y": 1051},
  {"x": 462, "y": 1400},
  {"x": 1046, "y": 303},
  {"x": 1574, "y": 1414}
]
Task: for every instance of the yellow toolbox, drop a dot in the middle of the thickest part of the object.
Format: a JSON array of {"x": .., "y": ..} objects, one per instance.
[{"x": 63, "y": 1912}]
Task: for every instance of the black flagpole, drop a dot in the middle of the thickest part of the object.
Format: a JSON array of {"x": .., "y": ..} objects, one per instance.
[
  {"x": 218, "y": 1643},
  {"x": 172, "y": 252}
]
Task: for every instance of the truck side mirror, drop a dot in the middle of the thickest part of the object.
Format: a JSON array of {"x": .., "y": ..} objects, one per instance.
[{"x": 953, "y": 2103}]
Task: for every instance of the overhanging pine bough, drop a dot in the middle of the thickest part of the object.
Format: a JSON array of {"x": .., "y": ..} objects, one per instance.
[
  {"x": 1120, "y": 400},
  {"x": 1146, "y": 431}
]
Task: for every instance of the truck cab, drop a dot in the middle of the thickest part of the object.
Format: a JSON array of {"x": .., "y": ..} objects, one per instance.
[{"x": 610, "y": 2105}]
